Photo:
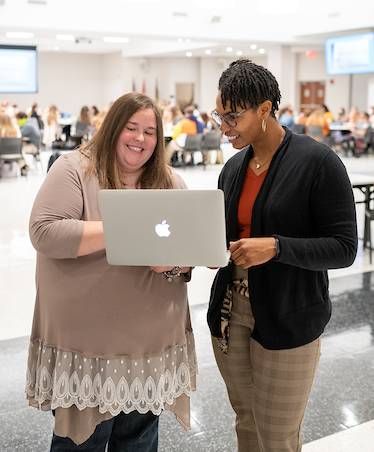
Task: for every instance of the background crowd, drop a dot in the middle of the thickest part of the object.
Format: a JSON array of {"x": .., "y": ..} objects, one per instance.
[{"x": 351, "y": 133}]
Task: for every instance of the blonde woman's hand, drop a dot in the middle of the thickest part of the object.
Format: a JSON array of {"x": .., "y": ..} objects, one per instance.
[
  {"x": 253, "y": 251},
  {"x": 161, "y": 269}
]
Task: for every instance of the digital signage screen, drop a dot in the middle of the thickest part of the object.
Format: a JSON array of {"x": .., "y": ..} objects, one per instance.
[
  {"x": 350, "y": 54},
  {"x": 18, "y": 69}
]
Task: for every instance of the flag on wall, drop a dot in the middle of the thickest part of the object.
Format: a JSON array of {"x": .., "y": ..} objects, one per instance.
[
  {"x": 157, "y": 94},
  {"x": 133, "y": 86},
  {"x": 144, "y": 89}
]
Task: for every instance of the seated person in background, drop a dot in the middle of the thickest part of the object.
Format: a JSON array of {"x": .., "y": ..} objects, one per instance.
[
  {"x": 188, "y": 125},
  {"x": 35, "y": 114},
  {"x": 210, "y": 126},
  {"x": 98, "y": 120},
  {"x": 208, "y": 122},
  {"x": 176, "y": 115},
  {"x": 300, "y": 122},
  {"x": 52, "y": 128},
  {"x": 83, "y": 126},
  {"x": 353, "y": 116},
  {"x": 285, "y": 117},
  {"x": 371, "y": 116},
  {"x": 361, "y": 134},
  {"x": 8, "y": 128},
  {"x": 327, "y": 113},
  {"x": 31, "y": 132},
  {"x": 317, "y": 125},
  {"x": 94, "y": 111},
  {"x": 342, "y": 115}
]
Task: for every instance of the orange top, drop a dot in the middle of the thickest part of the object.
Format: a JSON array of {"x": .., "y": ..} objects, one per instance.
[{"x": 251, "y": 187}]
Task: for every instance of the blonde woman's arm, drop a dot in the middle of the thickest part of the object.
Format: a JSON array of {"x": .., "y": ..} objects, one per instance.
[{"x": 56, "y": 226}]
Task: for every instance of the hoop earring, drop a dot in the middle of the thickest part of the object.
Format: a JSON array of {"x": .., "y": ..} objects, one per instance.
[{"x": 263, "y": 125}]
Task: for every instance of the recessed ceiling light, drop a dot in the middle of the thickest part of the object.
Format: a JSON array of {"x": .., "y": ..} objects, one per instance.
[
  {"x": 228, "y": 49},
  {"x": 19, "y": 34},
  {"x": 65, "y": 37},
  {"x": 239, "y": 53},
  {"x": 189, "y": 54},
  {"x": 116, "y": 39},
  {"x": 261, "y": 50},
  {"x": 253, "y": 46},
  {"x": 208, "y": 52}
]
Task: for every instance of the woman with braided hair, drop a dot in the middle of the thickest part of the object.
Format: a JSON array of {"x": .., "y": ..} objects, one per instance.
[{"x": 290, "y": 217}]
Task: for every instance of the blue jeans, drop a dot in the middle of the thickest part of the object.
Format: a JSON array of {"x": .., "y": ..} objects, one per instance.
[{"x": 133, "y": 432}]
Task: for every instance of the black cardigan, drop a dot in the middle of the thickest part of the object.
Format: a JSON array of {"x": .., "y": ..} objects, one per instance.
[{"x": 306, "y": 201}]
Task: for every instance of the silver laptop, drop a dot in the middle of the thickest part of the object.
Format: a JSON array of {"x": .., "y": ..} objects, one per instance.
[{"x": 164, "y": 227}]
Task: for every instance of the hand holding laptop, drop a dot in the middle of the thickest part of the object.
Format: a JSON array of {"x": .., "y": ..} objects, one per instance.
[{"x": 162, "y": 269}]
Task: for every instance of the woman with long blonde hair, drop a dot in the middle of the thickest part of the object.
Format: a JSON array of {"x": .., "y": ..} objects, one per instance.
[{"x": 7, "y": 127}]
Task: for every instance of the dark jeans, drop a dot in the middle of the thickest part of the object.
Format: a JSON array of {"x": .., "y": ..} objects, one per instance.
[{"x": 133, "y": 432}]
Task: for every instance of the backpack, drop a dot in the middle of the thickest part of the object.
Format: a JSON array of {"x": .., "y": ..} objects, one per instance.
[{"x": 52, "y": 159}]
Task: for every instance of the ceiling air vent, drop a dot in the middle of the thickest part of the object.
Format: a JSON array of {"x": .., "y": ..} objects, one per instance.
[
  {"x": 83, "y": 40},
  {"x": 180, "y": 14},
  {"x": 333, "y": 14},
  {"x": 37, "y": 2},
  {"x": 216, "y": 19}
]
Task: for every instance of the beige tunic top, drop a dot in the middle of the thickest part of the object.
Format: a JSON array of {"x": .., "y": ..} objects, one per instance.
[{"x": 105, "y": 339}]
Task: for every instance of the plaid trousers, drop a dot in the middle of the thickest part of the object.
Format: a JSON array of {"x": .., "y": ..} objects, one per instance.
[{"x": 268, "y": 389}]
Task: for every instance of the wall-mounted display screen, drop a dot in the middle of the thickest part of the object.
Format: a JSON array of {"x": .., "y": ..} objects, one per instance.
[
  {"x": 350, "y": 54},
  {"x": 18, "y": 69}
]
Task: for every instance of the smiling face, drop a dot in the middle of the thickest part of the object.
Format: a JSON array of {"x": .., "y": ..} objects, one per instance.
[
  {"x": 137, "y": 141},
  {"x": 248, "y": 125}
]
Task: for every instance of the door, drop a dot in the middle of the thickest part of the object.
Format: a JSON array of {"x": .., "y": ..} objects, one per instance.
[{"x": 312, "y": 95}]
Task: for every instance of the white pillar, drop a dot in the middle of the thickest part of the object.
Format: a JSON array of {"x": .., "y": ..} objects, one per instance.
[{"x": 281, "y": 62}]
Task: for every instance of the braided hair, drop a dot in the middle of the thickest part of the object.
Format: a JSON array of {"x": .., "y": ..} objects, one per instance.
[{"x": 246, "y": 84}]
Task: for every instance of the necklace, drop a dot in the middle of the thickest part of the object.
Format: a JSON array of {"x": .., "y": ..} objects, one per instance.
[{"x": 258, "y": 164}]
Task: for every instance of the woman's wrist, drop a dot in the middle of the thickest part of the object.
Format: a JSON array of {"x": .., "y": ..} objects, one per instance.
[
  {"x": 175, "y": 272},
  {"x": 172, "y": 274}
]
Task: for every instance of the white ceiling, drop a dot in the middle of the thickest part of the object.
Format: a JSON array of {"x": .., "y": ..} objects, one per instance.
[{"x": 173, "y": 27}]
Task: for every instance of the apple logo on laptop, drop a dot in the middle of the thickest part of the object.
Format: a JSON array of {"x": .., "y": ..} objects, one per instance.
[{"x": 162, "y": 229}]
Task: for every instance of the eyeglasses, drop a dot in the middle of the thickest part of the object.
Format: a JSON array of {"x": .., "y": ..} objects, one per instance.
[{"x": 231, "y": 118}]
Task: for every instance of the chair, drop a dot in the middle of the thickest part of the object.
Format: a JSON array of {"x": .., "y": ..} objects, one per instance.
[
  {"x": 11, "y": 151},
  {"x": 315, "y": 132},
  {"x": 211, "y": 141},
  {"x": 369, "y": 217},
  {"x": 192, "y": 145},
  {"x": 32, "y": 139},
  {"x": 298, "y": 128}
]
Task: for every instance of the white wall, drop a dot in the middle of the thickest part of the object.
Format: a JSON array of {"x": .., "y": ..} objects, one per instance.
[
  {"x": 336, "y": 87},
  {"x": 371, "y": 94},
  {"x": 360, "y": 90},
  {"x": 67, "y": 80}
]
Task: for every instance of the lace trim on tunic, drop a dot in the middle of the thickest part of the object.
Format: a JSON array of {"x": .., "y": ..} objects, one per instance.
[{"x": 57, "y": 378}]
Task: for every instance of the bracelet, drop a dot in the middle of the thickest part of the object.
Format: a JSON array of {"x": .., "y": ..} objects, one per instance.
[
  {"x": 175, "y": 272},
  {"x": 277, "y": 248}
]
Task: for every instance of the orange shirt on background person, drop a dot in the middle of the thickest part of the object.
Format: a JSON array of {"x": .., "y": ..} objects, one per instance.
[
  {"x": 251, "y": 188},
  {"x": 186, "y": 126}
]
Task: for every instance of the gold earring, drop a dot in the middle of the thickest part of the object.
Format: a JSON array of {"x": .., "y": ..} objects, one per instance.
[{"x": 263, "y": 125}]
